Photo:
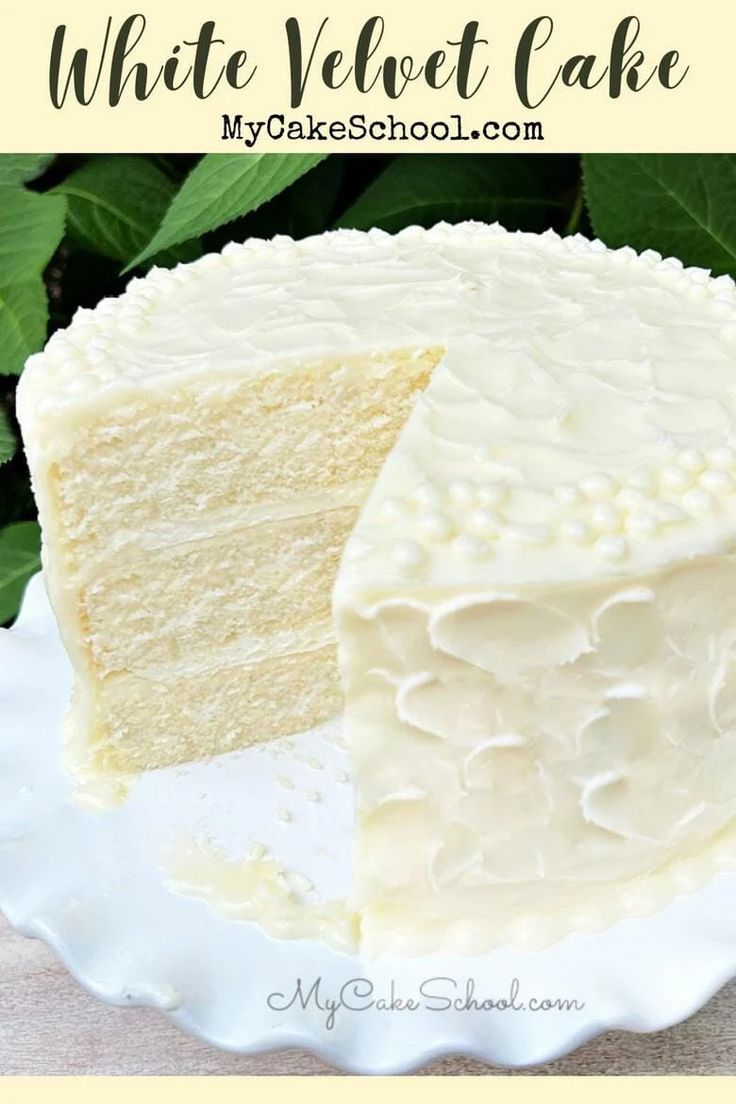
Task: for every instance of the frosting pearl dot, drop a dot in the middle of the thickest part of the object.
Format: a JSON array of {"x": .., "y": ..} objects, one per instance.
[
  {"x": 692, "y": 460},
  {"x": 577, "y": 531},
  {"x": 436, "y": 525},
  {"x": 641, "y": 524},
  {"x": 598, "y": 485},
  {"x": 462, "y": 492},
  {"x": 642, "y": 481},
  {"x": 721, "y": 458},
  {"x": 426, "y": 495},
  {"x": 612, "y": 548},
  {"x": 697, "y": 501},
  {"x": 485, "y": 522},
  {"x": 470, "y": 548},
  {"x": 528, "y": 534},
  {"x": 357, "y": 548},
  {"x": 605, "y": 517},
  {"x": 393, "y": 509},
  {"x": 493, "y": 494},
  {"x": 718, "y": 482},
  {"x": 408, "y": 556},
  {"x": 669, "y": 513},
  {"x": 675, "y": 478},
  {"x": 568, "y": 493},
  {"x": 630, "y": 497}
]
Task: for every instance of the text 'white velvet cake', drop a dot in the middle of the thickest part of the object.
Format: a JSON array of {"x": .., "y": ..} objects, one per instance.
[{"x": 536, "y": 610}]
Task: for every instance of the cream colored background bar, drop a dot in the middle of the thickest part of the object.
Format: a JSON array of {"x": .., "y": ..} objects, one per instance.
[
  {"x": 426, "y": 1090},
  {"x": 692, "y": 116}
]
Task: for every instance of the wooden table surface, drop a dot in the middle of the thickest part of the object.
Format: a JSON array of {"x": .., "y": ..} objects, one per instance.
[{"x": 49, "y": 1025}]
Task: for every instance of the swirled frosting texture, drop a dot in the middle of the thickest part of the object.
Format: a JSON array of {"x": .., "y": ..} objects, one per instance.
[{"x": 524, "y": 758}]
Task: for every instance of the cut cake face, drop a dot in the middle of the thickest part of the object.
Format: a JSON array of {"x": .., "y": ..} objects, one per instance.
[{"x": 191, "y": 535}]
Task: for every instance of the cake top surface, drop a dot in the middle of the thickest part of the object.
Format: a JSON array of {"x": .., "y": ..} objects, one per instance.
[
  {"x": 518, "y": 465},
  {"x": 348, "y": 291},
  {"x": 583, "y": 419}
]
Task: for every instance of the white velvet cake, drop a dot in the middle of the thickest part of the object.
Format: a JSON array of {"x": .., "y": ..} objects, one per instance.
[{"x": 536, "y": 610}]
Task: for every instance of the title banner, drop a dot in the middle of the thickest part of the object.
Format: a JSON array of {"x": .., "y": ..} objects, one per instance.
[{"x": 222, "y": 76}]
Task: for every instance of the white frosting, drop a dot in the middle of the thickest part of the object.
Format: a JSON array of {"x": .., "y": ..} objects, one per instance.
[
  {"x": 523, "y": 756},
  {"x": 263, "y": 303},
  {"x": 535, "y": 609},
  {"x": 259, "y": 888},
  {"x": 536, "y": 616}
]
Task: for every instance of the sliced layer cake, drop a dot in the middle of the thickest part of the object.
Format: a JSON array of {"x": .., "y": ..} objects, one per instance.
[{"x": 535, "y": 611}]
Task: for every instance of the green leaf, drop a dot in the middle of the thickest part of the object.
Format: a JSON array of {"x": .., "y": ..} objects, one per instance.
[
  {"x": 7, "y": 438},
  {"x": 17, "y": 168},
  {"x": 23, "y": 321},
  {"x": 20, "y": 557},
  {"x": 115, "y": 205},
  {"x": 679, "y": 204},
  {"x": 222, "y": 187},
  {"x": 31, "y": 227},
  {"x": 16, "y": 499},
  {"x": 527, "y": 193},
  {"x": 306, "y": 207}
]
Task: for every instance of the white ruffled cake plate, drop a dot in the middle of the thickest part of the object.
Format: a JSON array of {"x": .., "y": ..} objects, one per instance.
[{"x": 94, "y": 885}]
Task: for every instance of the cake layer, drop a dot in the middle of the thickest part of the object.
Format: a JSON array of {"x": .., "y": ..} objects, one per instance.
[
  {"x": 262, "y": 581},
  {"x": 193, "y": 717},
  {"x": 218, "y": 445}
]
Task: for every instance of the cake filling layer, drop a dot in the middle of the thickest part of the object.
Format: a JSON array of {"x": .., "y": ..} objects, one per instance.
[
  {"x": 265, "y": 580},
  {"x": 196, "y": 716}
]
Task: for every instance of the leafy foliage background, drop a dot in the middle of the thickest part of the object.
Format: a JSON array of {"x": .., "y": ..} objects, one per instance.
[{"x": 73, "y": 229}]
